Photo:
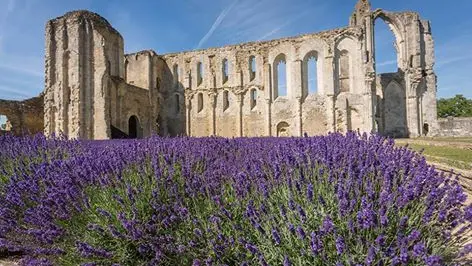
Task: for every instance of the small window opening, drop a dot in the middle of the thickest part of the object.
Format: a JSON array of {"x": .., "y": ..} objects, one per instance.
[
  {"x": 252, "y": 67},
  {"x": 225, "y": 70},
  {"x": 253, "y": 98},
  {"x": 225, "y": 100},
  {"x": 200, "y": 102}
]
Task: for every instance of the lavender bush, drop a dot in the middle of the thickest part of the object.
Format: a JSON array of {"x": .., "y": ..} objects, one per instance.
[{"x": 334, "y": 200}]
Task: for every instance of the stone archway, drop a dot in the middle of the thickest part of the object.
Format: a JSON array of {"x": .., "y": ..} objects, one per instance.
[
  {"x": 396, "y": 29},
  {"x": 395, "y": 110},
  {"x": 283, "y": 129},
  {"x": 133, "y": 127}
]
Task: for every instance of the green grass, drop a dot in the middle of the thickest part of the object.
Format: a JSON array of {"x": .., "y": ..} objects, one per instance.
[
  {"x": 452, "y": 156},
  {"x": 448, "y": 139}
]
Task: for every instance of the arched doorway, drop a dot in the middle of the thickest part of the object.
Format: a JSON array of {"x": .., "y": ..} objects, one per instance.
[
  {"x": 5, "y": 124},
  {"x": 388, "y": 43},
  {"x": 283, "y": 129},
  {"x": 133, "y": 127}
]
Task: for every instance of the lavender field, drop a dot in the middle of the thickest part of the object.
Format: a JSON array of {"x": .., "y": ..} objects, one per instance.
[{"x": 333, "y": 200}]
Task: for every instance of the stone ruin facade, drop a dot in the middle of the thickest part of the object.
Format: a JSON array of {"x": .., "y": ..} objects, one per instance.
[{"x": 95, "y": 91}]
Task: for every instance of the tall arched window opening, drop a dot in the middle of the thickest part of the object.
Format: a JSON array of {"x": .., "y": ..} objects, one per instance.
[
  {"x": 386, "y": 53},
  {"x": 225, "y": 70},
  {"x": 310, "y": 73},
  {"x": 280, "y": 76},
  {"x": 199, "y": 73},
  {"x": 225, "y": 100},
  {"x": 252, "y": 67},
  {"x": 200, "y": 102},
  {"x": 253, "y": 98}
]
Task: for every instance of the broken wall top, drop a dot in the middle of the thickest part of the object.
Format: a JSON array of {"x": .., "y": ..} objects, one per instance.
[{"x": 79, "y": 16}]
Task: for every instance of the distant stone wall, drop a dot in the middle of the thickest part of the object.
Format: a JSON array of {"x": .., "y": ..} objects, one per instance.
[
  {"x": 26, "y": 117},
  {"x": 455, "y": 127}
]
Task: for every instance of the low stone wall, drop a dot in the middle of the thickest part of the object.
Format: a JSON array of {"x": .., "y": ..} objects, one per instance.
[
  {"x": 26, "y": 117},
  {"x": 455, "y": 127}
]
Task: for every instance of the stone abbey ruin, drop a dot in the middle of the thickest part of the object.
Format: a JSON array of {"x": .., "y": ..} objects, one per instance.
[{"x": 95, "y": 91}]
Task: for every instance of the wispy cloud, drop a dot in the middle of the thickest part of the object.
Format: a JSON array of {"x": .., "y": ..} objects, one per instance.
[
  {"x": 22, "y": 69},
  {"x": 387, "y": 63},
  {"x": 15, "y": 91},
  {"x": 277, "y": 29},
  {"x": 216, "y": 24}
]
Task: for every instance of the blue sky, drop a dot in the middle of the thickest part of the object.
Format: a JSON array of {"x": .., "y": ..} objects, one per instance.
[{"x": 171, "y": 26}]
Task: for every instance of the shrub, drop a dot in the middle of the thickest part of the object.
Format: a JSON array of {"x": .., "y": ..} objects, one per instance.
[{"x": 334, "y": 200}]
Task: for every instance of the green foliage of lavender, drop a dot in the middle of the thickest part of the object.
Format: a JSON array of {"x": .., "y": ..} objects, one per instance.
[{"x": 334, "y": 200}]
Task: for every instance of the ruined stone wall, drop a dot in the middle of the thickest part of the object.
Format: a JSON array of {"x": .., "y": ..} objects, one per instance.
[
  {"x": 232, "y": 91},
  {"x": 82, "y": 52},
  {"x": 26, "y": 117},
  {"x": 245, "y": 101},
  {"x": 454, "y": 127}
]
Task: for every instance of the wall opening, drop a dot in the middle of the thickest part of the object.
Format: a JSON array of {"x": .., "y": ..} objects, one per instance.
[
  {"x": 199, "y": 73},
  {"x": 344, "y": 71},
  {"x": 386, "y": 50},
  {"x": 133, "y": 127},
  {"x": 200, "y": 102},
  {"x": 310, "y": 73},
  {"x": 283, "y": 129},
  {"x": 280, "y": 76},
  {"x": 5, "y": 124},
  {"x": 425, "y": 129},
  {"x": 225, "y": 70},
  {"x": 176, "y": 74},
  {"x": 158, "y": 84},
  {"x": 252, "y": 67},
  {"x": 253, "y": 98},
  {"x": 225, "y": 100},
  {"x": 177, "y": 103},
  {"x": 395, "y": 110}
]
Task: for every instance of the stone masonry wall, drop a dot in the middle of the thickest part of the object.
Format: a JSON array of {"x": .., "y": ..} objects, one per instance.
[
  {"x": 455, "y": 127},
  {"x": 233, "y": 91},
  {"x": 26, "y": 117}
]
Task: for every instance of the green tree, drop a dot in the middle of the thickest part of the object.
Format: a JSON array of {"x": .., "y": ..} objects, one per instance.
[{"x": 459, "y": 106}]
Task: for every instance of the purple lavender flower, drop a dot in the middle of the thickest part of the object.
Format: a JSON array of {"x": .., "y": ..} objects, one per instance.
[
  {"x": 275, "y": 236},
  {"x": 340, "y": 246},
  {"x": 328, "y": 225},
  {"x": 287, "y": 261}
]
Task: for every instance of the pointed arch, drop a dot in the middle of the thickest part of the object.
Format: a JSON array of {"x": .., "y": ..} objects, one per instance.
[
  {"x": 280, "y": 76},
  {"x": 395, "y": 110},
  {"x": 252, "y": 67},
  {"x": 310, "y": 73},
  {"x": 225, "y": 70}
]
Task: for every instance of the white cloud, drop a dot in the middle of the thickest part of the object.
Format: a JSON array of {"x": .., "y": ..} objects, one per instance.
[
  {"x": 216, "y": 24},
  {"x": 15, "y": 91},
  {"x": 387, "y": 63}
]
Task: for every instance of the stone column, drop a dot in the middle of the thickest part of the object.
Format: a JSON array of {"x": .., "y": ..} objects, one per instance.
[
  {"x": 297, "y": 79},
  {"x": 300, "y": 116},
  {"x": 212, "y": 97},
  {"x": 188, "y": 109},
  {"x": 329, "y": 90},
  {"x": 268, "y": 98},
  {"x": 240, "y": 97}
]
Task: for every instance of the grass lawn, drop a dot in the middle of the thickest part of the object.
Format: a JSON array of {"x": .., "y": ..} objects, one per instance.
[{"x": 454, "y": 156}]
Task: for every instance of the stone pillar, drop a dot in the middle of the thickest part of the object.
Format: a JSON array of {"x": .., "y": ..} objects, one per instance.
[
  {"x": 297, "y": 79},
  {"x": 268, "y": 98},
  {"x": 188, "y": 112},
  {"x": 300, "y": 116},
  {"x": 212, "y": 97},
  {"x": 240, "y": 98},
  {"x": 329, "y": 90}
]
